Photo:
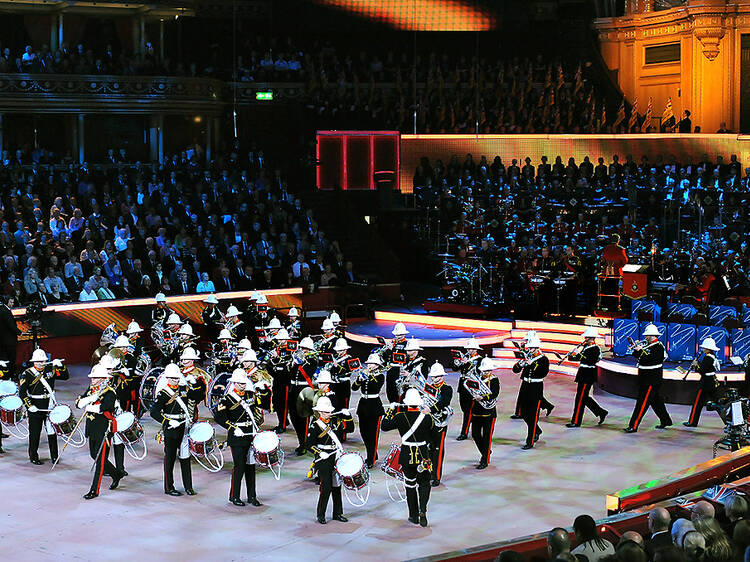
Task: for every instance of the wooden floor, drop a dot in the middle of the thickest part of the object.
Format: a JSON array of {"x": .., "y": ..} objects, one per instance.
[{"x": 568, "y": 473}]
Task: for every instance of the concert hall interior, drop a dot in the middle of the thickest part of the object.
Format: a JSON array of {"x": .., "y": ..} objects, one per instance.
[{"x": 375, "y": 280}]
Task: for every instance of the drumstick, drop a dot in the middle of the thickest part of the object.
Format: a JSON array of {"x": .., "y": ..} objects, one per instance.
[{"x": 66, "y": 442}]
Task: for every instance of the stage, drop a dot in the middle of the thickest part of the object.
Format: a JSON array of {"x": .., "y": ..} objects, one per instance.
[{"x": 568, "y": 473}]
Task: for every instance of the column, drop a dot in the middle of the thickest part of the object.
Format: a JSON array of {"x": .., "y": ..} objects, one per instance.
[
  {"x": 209, "y": 139},
  {"x": 161, "y": 40},
  {"x": 156, "y": 137},
  {"x": 53, "y": 32},
  {"x": 81, "y": 139}
]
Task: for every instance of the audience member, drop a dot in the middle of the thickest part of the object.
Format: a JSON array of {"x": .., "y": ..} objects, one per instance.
[{"x": 589, "y": 542}]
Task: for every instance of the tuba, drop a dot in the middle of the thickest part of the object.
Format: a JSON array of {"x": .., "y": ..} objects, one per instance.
[
  {"x": 109, "y": 335},
  {"x": 479, "y": 389}
]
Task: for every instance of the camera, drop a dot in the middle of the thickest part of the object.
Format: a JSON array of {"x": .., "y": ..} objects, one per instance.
[{"x": 34, "y": 313}]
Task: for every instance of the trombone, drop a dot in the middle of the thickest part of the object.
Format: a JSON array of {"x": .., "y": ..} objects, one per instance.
[{"x": 636, "y": 345}]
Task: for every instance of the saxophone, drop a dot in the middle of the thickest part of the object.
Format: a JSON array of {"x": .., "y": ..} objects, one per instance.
[{"x": 479, "y": 389}]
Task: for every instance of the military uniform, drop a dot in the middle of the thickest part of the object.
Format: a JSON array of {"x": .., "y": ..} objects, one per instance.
[
  {"x": 211, "y": 319},
  {"x": 392, "y": 392},
  {"x": 483, "y": 421},
  {"x": 324, "y": 439},
  {"x": 160, "y": 314},
  {"x": 531, "y": 394},
  {"x": 100, "y": 427},
  {"x": 280, "y": 371},
  {"x": 37, "y": 388},
  {"x": 302, "y": 375},
  {"x": 586, "y": 376},
  {"x": 241, "y": 411},
  {"x": 370, "y": 411},
  {"x": 650, "y": 373},
  {"x": 172, "y": 405},
  {"x": 417, "y": 432},
  {"x": 198, "y": 380},
  {"x": 708, "y": 366},
  {"x": 341, "y": 373},
  {"x": 261, "y": 382},
  {"x": 437, "y": 447},
  {"x": 465, "y": 399}
]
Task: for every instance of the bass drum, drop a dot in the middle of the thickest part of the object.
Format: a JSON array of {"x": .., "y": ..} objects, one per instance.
[
  {"x": 149, "y": 384},
  {"x": 217, "y": 389}
]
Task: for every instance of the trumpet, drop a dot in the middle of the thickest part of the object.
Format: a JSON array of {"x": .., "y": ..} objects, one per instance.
[
  {"x": 636, "y": 345},
  {"x": 573, "y": 351}
]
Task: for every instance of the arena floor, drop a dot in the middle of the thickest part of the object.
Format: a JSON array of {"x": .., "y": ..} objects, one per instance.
[{"x": 568, "y": 473}]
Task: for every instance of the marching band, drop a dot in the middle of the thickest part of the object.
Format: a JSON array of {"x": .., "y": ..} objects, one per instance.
[{"x": 308, "y": 380}]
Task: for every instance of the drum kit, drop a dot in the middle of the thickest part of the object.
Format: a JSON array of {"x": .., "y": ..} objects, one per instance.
[
  {"x": 469, "y": 283},
  {"x": 355, "y": 477},
  {"x": 204, "y": 448},
  {"x": 394, "y": 474},
  {"x": 268, "y": 453}
]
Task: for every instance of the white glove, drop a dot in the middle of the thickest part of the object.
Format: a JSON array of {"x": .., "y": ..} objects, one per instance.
[
  {"x": 96, "y": 409},
  {"x": 173, "y": 424},
  {"x": 85, "y": 401},
  {"x": 57, "y": 363},
  {"x": 33, "y": 408},
  {"x": 191, "y": 379},
  {"x": 325, "y": 455},
  {"x": 238, "y": 432},
  {"x": 346, "y": 412}
]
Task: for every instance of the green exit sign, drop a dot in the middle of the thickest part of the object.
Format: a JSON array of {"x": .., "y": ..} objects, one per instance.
[{"x": 264, "y": 96}]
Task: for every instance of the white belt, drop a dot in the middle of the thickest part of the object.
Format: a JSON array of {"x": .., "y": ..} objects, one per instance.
[
  {"x": 659, "y": 366},
  {"x": 413, "y": 444},
  {"x": 371, "y": 396},
  {"x": 300, "y": 383},
  {"x": 243, "y": 424},
  {"x": 709, "y": 374},
  {"x": 174, "y": 416},
  {"x": 343, "y": 379},
  {"x": 526, "y": 379},
  {"x": 38, "y": 396},
  {"x": 327, "y": 447},
  {"x": 582, "y": 366}
]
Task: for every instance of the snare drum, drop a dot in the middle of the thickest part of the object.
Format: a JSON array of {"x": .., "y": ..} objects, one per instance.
[
  {"x": 267, "y": 449},
  {"x": 11, "y": 410},
  {"x": 8, "y": 388},
  {"x": 62, "y": 419},
  {"x": 392, "y": 465},
  {"x": 201, "y": 439},
  {"x": 128, "y": 428},
  {"x": 354, "y": 474}
]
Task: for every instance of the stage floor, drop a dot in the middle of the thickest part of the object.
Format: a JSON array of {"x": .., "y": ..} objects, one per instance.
[{"x": 522, "y": 492}]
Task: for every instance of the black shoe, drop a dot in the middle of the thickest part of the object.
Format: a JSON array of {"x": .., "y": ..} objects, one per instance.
[
  {"x": 116, "y": 481},
  {"x": 340, "y": 518},
  {"x": 526, "y": 447},
  {"x": 190, "y": 492},
  {"x": 36, "y": 462},
  {"x": 688, "y": 424},
  {"x": 370, "y": 465},
  {"x": 279, "y": 429},
  {"x": 664, "y": 425},
  {"x": 299, "y": 451},
  {"x": 316, "y": 480},
  {"x": 515, "y": 417},
  {"x": 90, "y": 496},
  {"x": 238, "y": 502},
  {"x": 53, "y": 460},
  {"x": 174, "y": 493},
  {"x": 571, "y": 424},
  {"x": 482, "y": 465},
  {"x": 4, "y": 435},
  {"x": 124, "y": 472},
  {"x": 254, "y": 501},
  {"x": 602, "y": 418},
  {"x": 2, "y": 450},
  {"x": 549, "y": 410},
  {"x": 423, "y": 519},
  {"x": 536, "y": 438},
  {"x": 414, "y": 520},
  {"x": 629, "y": 430},
  {"x": 461, "y": 438},
  {"x": 322, "y": 520},
  {"x": 435, "y": 483}
]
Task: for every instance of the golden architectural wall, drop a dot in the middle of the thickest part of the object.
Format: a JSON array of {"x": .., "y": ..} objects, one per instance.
[{"x": 706, "y": 79}]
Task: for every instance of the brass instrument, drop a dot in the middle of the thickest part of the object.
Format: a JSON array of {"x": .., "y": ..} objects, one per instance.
[
  {"x": 479, "y": 389},
  {"x": 109, "y": 335},
  {"x": 569, "y": 353},
  {"x": 636, "y": 345}
]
